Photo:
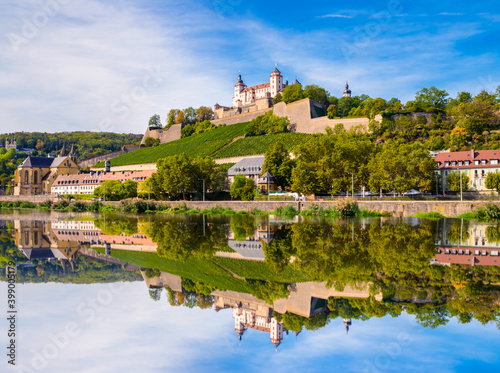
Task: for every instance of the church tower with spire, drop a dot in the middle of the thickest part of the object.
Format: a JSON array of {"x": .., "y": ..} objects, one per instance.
[
  {"x": 347, "y": 91},
  {"x": 72, "y": 153}
]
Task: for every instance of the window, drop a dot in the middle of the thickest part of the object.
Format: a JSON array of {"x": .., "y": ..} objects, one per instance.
[
  {"x": 494, "y": 253},
  {"x": 483, "y": 161},
  {"x": 467, "y": 163},
  {"x": 476, "y": 162},
  {"x": 446, "y": 164},
  {"x": 494, "y": 161},
  {"x": 26, "y": 177},
  {"x": 35, "y": 177},
  {"x": 460, "y": 163},
  {"x": 453, "y": 163}
]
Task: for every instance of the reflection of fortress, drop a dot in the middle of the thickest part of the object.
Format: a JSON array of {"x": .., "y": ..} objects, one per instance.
[{"x": 305, "y": 299}]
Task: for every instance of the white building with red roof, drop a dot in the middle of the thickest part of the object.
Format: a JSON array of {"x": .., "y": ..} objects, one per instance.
[
  {"x": 476, "y": 164},
  {"x": 244, "y": 95},
  {"x": 85, "y": 183}
]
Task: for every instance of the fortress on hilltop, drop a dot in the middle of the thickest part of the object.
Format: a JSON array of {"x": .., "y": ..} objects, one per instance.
[{"x": 305, "y": 116}]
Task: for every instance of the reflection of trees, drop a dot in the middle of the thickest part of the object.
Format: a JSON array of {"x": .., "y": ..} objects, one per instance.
[
  {"x": 242, "y": 226},
  {"x": 458, "y": 231},
  {"x": 117, "y": 224},
  {"x": 155, "y": 294},
  {"x": 329, "y": 252},
  {"x": 179, "y": 237},
  {"x": 279, "y": 251},
  {"x": 493, "y": 234}
]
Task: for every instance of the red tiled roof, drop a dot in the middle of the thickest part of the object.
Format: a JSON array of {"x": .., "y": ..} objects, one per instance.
[
  {"x": 469, "y": 155},
  {"x": 258, "y": 86}
]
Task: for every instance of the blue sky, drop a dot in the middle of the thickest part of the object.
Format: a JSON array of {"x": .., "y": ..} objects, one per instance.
[
  {"x": 109, "y": 65},
  {"x": 130, "y": 332}
]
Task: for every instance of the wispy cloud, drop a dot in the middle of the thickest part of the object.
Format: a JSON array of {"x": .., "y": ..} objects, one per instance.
[
  {"x": 450, "y": 14},
  {"x": 335, "y": 16}
]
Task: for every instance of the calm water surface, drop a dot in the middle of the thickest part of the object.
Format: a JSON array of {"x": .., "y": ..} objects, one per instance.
[{"x": 188, "y": 293}]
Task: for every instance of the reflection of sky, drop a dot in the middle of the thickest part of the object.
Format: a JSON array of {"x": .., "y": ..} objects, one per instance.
[{"x": 134, "y": 333}]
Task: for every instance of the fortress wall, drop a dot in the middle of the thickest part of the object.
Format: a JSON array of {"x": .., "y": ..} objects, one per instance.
[
  {"x": 318, "y": 125},
  {"x": 247, "y": 117},
  {"x": 154, "y": 133},
  {"x": 172, "y": 134}
]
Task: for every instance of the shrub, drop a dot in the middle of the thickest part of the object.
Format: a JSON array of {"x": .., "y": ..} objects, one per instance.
[
  {"x": 46, "y": 204},
  {"x": 61, "y": 205},
  {"x": 78, "y": 207},
  {"x": 286, "y": 211},
  {"x": 488, "y": 212},
  {"x": 94, "y": 206}
]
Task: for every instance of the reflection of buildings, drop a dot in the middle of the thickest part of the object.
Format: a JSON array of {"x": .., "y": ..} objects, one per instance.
[
  {"x": 471, "y": 247},
  {"x": 62, "y": 240},
  {"x": 252, "y": 247}
]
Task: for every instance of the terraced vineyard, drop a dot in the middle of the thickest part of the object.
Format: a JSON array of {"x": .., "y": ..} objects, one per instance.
[
  {"x": 259, "y": 144},
  {"x": 216, "y": 143},
  {"x": 201, "y": 145}
]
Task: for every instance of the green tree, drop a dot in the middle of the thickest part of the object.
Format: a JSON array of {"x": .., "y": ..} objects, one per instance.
[
  {"x": 346, "y": 104},
  {"x": 174, "y": 177},
  {"x": 155, "y": 121},
  {"x": 171, "y": 117},
  {"x": 277, "y": 98},
  {"x": 332, "y": 111},
  {"x": 293, "y": 92},
  {"x": 453, "y": 182},
  {"x": 493, "y": 181},
  {"x": 431, "y": 99},
  {"x": 400, "y": 167},
  {"x": 204, "y": 113},
  {"x": 326, "y": 163},
  {"x": 316, "y": 93},
  {"x": 242, "y": 188},
  {"x": 279, "y": 164},
  {"x": 189, "y": 115},
  {"x": 149, "y": 142}
]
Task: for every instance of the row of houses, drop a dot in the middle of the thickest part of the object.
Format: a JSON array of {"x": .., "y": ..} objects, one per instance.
[
  {"x": 476, "y": 164},
  {"x": 85, "y": 183},
  {"x": 62, "y": 175}
]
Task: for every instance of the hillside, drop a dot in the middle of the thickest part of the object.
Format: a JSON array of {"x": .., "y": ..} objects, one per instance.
[
  {"x": 87, "y": 144},
  {"x": 216, "y": 143}
]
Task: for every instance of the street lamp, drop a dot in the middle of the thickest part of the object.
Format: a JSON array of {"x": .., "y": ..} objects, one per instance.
[{"x": 203, "y": 189}]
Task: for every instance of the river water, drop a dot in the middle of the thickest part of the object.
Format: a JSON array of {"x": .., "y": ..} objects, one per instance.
[{"x": 194, "y": 293}]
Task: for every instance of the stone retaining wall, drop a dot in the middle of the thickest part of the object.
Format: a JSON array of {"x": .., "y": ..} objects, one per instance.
[{"x": 395, "y": 208}]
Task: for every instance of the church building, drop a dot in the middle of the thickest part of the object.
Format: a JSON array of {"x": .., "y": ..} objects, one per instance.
[{"x": 37, "y": 174}]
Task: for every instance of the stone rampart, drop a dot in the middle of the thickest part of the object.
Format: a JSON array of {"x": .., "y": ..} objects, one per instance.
[
  {"x": 241, "y": 118},
  {"x": 171, "y": 134}
]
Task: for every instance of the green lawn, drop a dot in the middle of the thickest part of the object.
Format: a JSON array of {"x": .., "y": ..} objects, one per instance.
[
  {"x": 259, "y": 144},
  {"x": 194, "y": 146}
]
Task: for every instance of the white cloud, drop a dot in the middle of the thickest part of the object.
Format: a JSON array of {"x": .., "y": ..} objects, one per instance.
[
  {"x": 335, "y": 16},
  {"x": 450, "y": 14}
]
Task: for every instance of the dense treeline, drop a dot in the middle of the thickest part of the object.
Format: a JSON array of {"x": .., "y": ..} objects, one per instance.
[{"x": 87, "y": 144}]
